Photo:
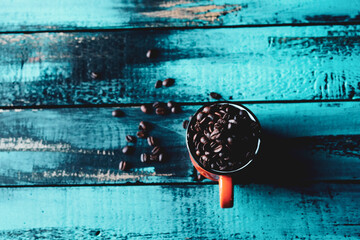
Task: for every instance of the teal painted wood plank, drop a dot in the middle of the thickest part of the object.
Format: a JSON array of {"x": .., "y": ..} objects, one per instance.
[
  {"x": 22, "y": 15},
  {"x": 302, "y": 142},
  {"x": 277, "y": 63},
  {"x": 321, "y": 211}
]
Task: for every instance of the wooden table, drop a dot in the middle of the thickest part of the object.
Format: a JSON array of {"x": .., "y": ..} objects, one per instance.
[{"x": 66, "y": 65}]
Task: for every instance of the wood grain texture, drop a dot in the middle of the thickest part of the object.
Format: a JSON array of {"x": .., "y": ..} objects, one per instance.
[
  {"x": 276, "y": 63},
  {"x": 22, "y": 15},
  {"x": 321, "y": 211},
  {"x": 302, "y": 142}
]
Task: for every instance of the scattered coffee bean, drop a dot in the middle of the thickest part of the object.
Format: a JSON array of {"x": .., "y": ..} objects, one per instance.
[
  {"x": 215, "y": 95},
  {"x": 156, "y": 150},
  {"x": 161, "y": 111},
  {"x": 152, "y": 141},
  {"x": 153, "y": 157},
  {"x": 128, "y": 150},
  {"x": 144, "y": 157},
  {"x": 168, "y": 82},
  {"x": 176, "y": 109},
  {"x": 152, "y": 53},
  {"x": 117, "y": 113},
  {"x": 122, "y": 165},
  {"x": 158, "y": 84},
  {"x": 95, "y": 75},
  {"x": 141, "y": 134},
  {"x": 185, "y": 124},
  {"x": 130, "y": 138},
  {"x": 158, "y": 104},
  {"x": 146, "y": 126},
  {"x": 171, "y": 104},
  {"x": 146, "y": 108},
  {"x": 161, "y": 157},
  {"x": 200, "y": 116}
]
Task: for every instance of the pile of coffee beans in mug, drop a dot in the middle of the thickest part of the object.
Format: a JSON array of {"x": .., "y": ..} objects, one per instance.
[{"x": 223, "y": 137}]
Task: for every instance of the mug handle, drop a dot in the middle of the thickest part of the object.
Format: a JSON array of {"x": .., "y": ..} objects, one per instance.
[{"x": 226, "y": 189}]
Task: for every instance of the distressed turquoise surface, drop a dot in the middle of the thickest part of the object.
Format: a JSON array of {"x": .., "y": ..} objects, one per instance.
[
  {"x": 180, "y": 212},
  {"x": 50, "y": 15}
]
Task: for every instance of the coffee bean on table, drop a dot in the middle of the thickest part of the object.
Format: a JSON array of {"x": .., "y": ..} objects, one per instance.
[
  {"x": 152, "y": 53},
  {"x": 117, "y": 113},
  {"x": 152, "y": 141},
  {"x": 158, "y": 84},
  {"x": 160, "y": 111},
  {"x": 146, "y": 108},
  {"x": 141, "y": 134},
  {"x": 171, "y": 104},
  {"x": 158, "y": 104},
  {"x": 215, "y": 95},
  {"x": 168, "y": 82},
  {"x": 185, "y": 124},
  {"x": 122, "y": 165},
  {"x": 156, "y": 150},
  {"x": 161, "y": 157},
  {"x": 144, "y": 157},
  {"x": 146, "y": 126},
  {"x": 153, "y": 157},
  {"x": 130, "y": 138},
  {"x": 128, "y": 150},
  {"x": 176, "y": 109}
]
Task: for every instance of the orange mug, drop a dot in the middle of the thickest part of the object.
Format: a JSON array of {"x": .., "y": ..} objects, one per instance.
[{"x": 226, "y": 187}]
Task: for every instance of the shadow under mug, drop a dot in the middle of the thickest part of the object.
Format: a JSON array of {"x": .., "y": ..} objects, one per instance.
[{"x": 226, "y": 187}]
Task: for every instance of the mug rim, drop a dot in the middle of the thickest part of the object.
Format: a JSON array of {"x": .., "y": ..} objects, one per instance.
[{"x": 219, "y": 172}]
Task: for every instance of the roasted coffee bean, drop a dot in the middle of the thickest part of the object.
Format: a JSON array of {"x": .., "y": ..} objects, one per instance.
[
  {"x": 215, "y": 95},
  {"x": 141, "y": 134},
  {"x": 207, "y": 153},
  {"x": 146, "y": 108},
  {"x": 176, "y": 109},
  {"x": 128, "y": 150},
  {"x": 146, "y": 126},
  {"x": 198, "y": 153},
  {"x": 161, "y": 111},
  {"x": 158, "y": 84},
  {"x": 152, "y": 53},
  {"x": 215, "y": 134},
  {"x": 144, "y": 157},
  {"x": 95, "y": 75},
  {"x": 204, "y": 158},
  {"x": 230, "y": 126},
  {"x": 206, "y": 110},
  {"x": 171, "y": 104},
  {"x": 185, "y": 124},
  {"x": 130, "y": 138},
  {"x": 122, "y": 165},
  {"x": 218, "y": 148},
  {"x": 230, "y": 140},
  {"x": 233, "y": 121},
  {"x": 195, "y": 137},
  {"x": 153, "y": 157},
  {"x": 200, "y": 116},
  {"x": 168, "y": 82},
  {"x": 156, "y": 150},
  {"x": 152, "y": 141},
  {"x": 221, "y": 122},
  {"x": 161, "y": 157},
  {"x": 117, "y": 113},
  {"x": 158, "y": 104},
  {"x": 203, "y": 140}
]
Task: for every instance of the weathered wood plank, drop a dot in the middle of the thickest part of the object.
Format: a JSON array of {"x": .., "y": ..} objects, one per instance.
[
  {"x": 277, "y": 63},
  {"x": 321, "y": 211},
  {"x": 83, "y": 146},
  {"x": 22, "y": 15}
]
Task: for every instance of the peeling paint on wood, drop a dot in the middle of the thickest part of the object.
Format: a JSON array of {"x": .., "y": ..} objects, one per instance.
[
  {"x": 24, "y": 15},
  {"x": 83, "y": 145},
  {"x": 320, "y": 211},
  {"x": 277, "y": 63}
]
